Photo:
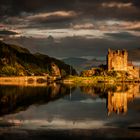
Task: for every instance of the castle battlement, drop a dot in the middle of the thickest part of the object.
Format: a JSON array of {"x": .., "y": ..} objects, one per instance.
[
  {"x": 117, "y": 60},
  {"x": 115, "y": 53}
]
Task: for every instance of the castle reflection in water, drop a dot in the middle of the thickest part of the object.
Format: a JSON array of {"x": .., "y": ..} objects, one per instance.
[
  {"x": 15, "y": 99},
  {"x": 117, "y": 101},
  {"x": 117, "y": 97}
]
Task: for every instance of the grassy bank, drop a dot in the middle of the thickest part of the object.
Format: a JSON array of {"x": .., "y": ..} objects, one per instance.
[
  {"x": 97, "y": 79},
  {"x": 75, "y": 80}
]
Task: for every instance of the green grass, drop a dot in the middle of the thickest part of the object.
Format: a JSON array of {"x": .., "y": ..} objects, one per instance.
[
  {"x": 89, "y": 80},
  {"x": 95, "y": 80}
]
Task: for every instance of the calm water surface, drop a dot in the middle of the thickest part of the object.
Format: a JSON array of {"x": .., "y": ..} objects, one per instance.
[{"x": 70, "y": 107}]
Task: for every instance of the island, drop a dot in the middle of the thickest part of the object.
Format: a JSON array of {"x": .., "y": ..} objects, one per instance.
[{"x": 117, "y": 69}]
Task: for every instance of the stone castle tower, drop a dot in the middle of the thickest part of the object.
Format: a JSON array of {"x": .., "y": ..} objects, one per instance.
[{"x": 117, "y": 60}]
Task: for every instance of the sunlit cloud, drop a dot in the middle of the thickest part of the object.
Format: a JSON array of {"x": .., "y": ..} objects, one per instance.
[
  {"x": 90, "y": 29},
  {"x": 83, "y": 26},
  {"x": 63, "y": 14},
  {"x": 61, "y": 33},
  {"x": 116, "y": 5},
  {"x": 131, "y": 25},
  {"x": 2, "y": 26}
]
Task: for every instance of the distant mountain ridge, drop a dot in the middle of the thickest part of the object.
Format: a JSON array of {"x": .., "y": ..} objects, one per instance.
[
  {"x": 81, "y": 64},
  {"x": 16, "y": 61}
]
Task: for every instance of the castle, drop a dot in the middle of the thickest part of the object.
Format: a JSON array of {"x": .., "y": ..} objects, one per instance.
[
  {"x": 118, "y": 101},
  {"x": 117, "y": 60}
]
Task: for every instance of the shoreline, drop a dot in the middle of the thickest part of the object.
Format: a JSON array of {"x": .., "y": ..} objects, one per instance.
[
  {"x": 44, "y": 81},
  {"x": 25, "y": 80},
  {"x": 97, "y": 80}
]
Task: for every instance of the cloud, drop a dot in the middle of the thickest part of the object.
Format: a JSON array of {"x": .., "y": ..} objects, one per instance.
[
  {"x": 7, "y": 32},
  {"x": 16, "y": 7},
  {"x": 126, "y": 9},
  {"x": 2, "y": 26},
  {"x": 55, "y": 19},
  {"x": 54, "y": 14},
  {"x": 110, "y": 9},
  {"x": 131, "y": 25},
  {"x": 83, "y": 26},
  {"x": 76, "y": 46},
  {"x": 123, "y": 36},
  {"x": 49, "y": 15},
  {"x": 91, "y": 25},
  {"x": 116, "y": 5},
  {"x": 117, "y": 25}
]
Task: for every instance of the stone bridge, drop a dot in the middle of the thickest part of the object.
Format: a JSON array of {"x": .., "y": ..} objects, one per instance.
[{"x": 26, "y": 80}]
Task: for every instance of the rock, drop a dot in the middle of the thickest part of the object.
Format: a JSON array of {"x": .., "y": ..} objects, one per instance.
[{"x": 55, "y": 71}]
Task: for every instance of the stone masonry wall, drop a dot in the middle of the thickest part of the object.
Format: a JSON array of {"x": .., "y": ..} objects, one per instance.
[{"x": 117, "y": 60}]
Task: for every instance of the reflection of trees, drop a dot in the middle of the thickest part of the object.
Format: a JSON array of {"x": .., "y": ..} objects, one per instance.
[
  {"x": 14, "y": 98},
  {"x": 100, "y": 90}
]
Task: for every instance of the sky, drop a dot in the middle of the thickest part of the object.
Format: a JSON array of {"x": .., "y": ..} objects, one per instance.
[{"x": 71, "y": 28}]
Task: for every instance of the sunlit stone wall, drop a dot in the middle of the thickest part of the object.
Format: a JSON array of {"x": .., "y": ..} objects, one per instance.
[{"x": 117, "y": 60}]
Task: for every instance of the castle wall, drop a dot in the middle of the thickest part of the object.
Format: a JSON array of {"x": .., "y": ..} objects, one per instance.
[
  {"x": 117, "y": 60},
  {"x": 134, "y": 72}
]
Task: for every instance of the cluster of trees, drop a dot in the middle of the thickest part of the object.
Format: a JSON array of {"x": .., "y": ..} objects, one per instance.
[{"x": 101, "y": 71}]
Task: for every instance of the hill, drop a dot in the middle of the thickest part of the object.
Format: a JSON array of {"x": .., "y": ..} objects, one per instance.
[
  {"x": 81, "y": 64},
  {"x": 18, "y": 61}
]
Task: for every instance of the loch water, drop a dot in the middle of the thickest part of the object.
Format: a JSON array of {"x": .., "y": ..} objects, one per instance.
[{"x": 59, "y": 106}]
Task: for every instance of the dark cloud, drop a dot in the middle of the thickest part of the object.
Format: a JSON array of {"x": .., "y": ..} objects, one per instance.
[
  {"x": 59, "y": 19},
  {"x": 7, "y": 32},
  {"x": 87, "y": 8},
  {"x": 73, "y": 14},
  {"x": 17, "y": 12},
  {"x": 123, "y": 36},
  {"x": 136, "y": 3},
  {"x": 76, "y": 46},
  {"x": 15, "y": 7}
]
